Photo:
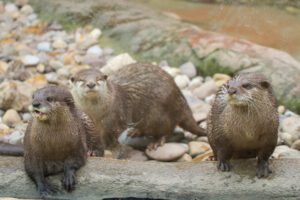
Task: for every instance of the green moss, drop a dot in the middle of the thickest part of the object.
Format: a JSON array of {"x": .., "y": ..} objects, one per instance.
[
  {"x": 211, "y": 66},
  {"x": 292, "y": 104}
]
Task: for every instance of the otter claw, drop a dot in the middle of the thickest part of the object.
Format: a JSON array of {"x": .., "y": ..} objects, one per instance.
[
  {"x": 48, "y": 190},
  {"x": 224, "y": 166},
  {"x": 263, "y": 171},
  {"x": 69, "y": 182}
]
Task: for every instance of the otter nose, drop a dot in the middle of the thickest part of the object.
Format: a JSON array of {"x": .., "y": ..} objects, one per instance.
[
  {"x": 36, "y": 104},
  {"x": 91, "y": 85},
  {"x": 232, "y": 91}
]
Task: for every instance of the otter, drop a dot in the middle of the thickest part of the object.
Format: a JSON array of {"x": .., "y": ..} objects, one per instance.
[
  {"x": 139, "y": 99},
  {"x": 243, "y": 122},
  {"x": 55, "y": 139}
]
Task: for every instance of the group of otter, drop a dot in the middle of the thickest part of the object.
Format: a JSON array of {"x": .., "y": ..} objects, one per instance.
[{"x": 142, "y": 100}]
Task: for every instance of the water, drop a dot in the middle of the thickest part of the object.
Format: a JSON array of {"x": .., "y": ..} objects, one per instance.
[{"x": 266, "y": 25}]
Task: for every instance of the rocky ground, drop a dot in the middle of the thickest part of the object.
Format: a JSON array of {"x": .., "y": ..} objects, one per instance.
[{"x": 34, "y": 53}]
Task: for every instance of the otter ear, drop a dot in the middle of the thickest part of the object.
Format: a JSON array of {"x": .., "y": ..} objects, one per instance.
[{"x": 265, "y": 84}]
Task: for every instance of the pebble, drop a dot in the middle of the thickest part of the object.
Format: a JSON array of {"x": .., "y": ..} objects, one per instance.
[
  {"x": 188, "y": 69},
  {"x": 291, "y": 125},
  {"x": 16, "y": 137},
  {"x": 26, "y": 117},
  {"x": 136, "y": 155},
  {"x": 3, "y": 67},
  {"x": 185, "y": 158},
  {"x": 167, "y": 152},
  {"x": 284, "y": 151},
  {"x": 206, "y": 89},
  {"x": 197, "y": 148},
  {"x": 287, "y": 138},
  {"x": 11, "y": 118},
  {"x": 59, "y": 44},
  {"x": 182, "y": 81},
  {"x": 55, "y": 64},
  {"x": 30, "y": 60},
  {"x": 281, "y": 109},
  {"x": 117, "y": 63},
  {"x": 95, "y": 50},
  {"x": 95, "y": 33},
  {"x": 4, "y": 130},
  {"x": 204, "y": 157},
  {"x": 10, "y": 8},
  {"x": 221, "y": 79},
  {"x": 21, "y": 3},
  {"x": 296, "y": 145},
  {"x": 44, "y": 46},
  {"x": 27, "y": 10},
  {"x": 195, "y": 82},
  {"x": 163, "y": 63},
  {"x": 52, "y": 77}
]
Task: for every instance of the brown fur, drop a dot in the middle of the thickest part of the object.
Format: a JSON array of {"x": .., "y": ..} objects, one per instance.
[
  {"x": 55, "y": 142},
  {"x": 245, "y": 123},
  {"x": 141, "y": 96}
]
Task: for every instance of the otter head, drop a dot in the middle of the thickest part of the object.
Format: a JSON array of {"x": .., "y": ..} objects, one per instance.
[
  {"x": 49, "y": 102},
  {"x": 247, "y": 89},
  {"x": 88, "y": 83}
]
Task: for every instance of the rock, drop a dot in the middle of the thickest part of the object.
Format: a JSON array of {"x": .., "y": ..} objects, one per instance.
[
  {"x": 204, "y": 157},
  {"x": 285, "y": 152},
  {"x": 11, "y": 118},
  {"x": 95, "y": 50},
  {"x": 197, "y": 148},
  {"x": 221, "y": 79},
  {"x": 52, "y": 77},
  {"x": 135, "y": 142},
  {"x": 172, "y": 71},
  {"x": 108, "y": 154},
  {"x": 163, "y": 63},
  {"x": 210, "y": 99},
  {"x": 4, "y": 130},
  {"x": 26, "y": 117},
  {"x": 177, "y": 135},
  {"x": 1, "y": 113},
  {"x": 136, "y": 155},
  {"x": 21, "y": 3},
  {"x": 291, "y": 125},
  {"x": 95, "y": 33},
  {"x": 38, "y": 81},
  {"x": 27, "y": 10},
  {"x": 281, "y": 109},
  {"x": 167, "y": 152},
  {"x": 287, "y": 138},
  {"x": 63, "y": 72},
  {"x": 3, "y": 67},
  {"x": 296, "y": 145},
  {"x": 41, "y": 68},
  {"x": 195, "y": 82},
  {"x": 202, "y": 139},
  {"x": 16, "y": 137},
  {"x": 10, "y": 8},
  {"x": 94, "y": 61},
  {"x": 182, "y": 81},
  {"x": 185, "y": 158},
  {"x": 117, "y": 63},
  {"x": 55, "y": 64},
  {"x": 206, "y": 89},
  {"x": 44, "y": 46},
  {"x": 59, "y": 44},
  {"x": 30, "y": 60},
  {"x": 188, "y": 69}
]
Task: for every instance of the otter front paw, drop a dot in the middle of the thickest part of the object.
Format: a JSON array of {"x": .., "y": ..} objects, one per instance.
[
  {"x": 224, "y": 166},
  {"x": 263, "y": 170},
  {"x": 47, "y": 189},
  {"x": 69, "y": 182}
]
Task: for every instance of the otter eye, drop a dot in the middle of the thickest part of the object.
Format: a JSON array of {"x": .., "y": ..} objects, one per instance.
[
  {"x": 49, "y": 99},
  {"x": 247, "y": 86}
]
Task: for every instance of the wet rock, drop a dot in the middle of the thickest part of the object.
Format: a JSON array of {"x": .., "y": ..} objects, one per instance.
[
  {"x": 11, "y": 118},
  {"x": 167, "y": 152},
  {"x": 30, "y": 60},
  {"x": 59, "y": 44},
  {"x": 95, "y": 50},
  {"x": 4, "y": 130},
  {"x": 117, "y": 63},
  {"x": 197, "y": 148},
  {"x": 206, "y": 89},
  {"x": 188, "y": 69},
  {"x": 221, "y": 79},
  {"x": 182, "y": 81},
  {"x": 296, "y": 145},
  {"x": 185, "y": 158},
  {"x": 44, "y": 46},
  {"x": 285, "y": 152}
]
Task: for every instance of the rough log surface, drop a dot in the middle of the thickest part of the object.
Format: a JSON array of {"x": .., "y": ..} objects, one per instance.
[{"x": 108, "y": 178}]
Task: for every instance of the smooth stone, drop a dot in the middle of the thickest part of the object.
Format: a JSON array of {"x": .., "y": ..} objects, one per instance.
[
  {"x": 10, "y": 8},
  {"x": 221, "y": 79},
  {"x": 11, "y": 118},
  {"x": 172, "y": 71},
  {"x": 195, "y": 82},
  {"x": 287, "y": 138},
  {"x": 4, "y": 130},
  {"x": 296, "y": 145},
  {"x": 95, "y": 33},
  {"x": 63, "y": 72},
  {"x": 136, "y": 155},
  {"x": 3, "y": 67},
  {"x": 204, "y": 157},
  {"x": 30, "y": 60},
  {"x": 27, "y": 10},
  {"x": 188, "y": 69},
  {"x": 281, "y": 109},
  {"x": 202, "y": 139},
  {"x": 206, "y": 89},
  {"x": 16, "y": 137},
  {"x": 197, "y": 148},
  {"x": 185, "y": 158},
  {"x": 116, "y": 63},
  {"x": 291, "y": 125},
  {"x": 38, "y": 81},
  {"x": 59, "y": 44},
  {"x": 52, "y": 77},
  {"x": 41, "y": 68},
  {"x": 108, "y": 51},
  {"x": 182, "y": 81},
  {"x": 95, "y": 50},
  {"x": 135, "y": 142},
  {"x": 44, "y": 46},
  {"x": 284, "y": 151},
  {"x": 26, "y": 117},
  {"x": 108, "y": 154},
  {"x": 167, "y": 152},
  {"x": 55, "y": 64},
  {"x": 21, "y": 3}
]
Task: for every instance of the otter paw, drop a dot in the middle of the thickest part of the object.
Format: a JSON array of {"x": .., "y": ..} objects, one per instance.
[
  {"x": 263, "y": 171},
  {"x": 134, "y": 133},
  {"x": 224, "y": 166},
  {"x": 155, "y": 145},
  {"x": 69, "y": 182},
  {"x": 48, "y": 190}
]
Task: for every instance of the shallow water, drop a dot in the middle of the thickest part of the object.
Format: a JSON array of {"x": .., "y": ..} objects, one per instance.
[{"x": 266, "y": 25}]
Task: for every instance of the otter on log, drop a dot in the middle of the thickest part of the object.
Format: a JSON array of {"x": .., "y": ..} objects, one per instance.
[
  {"x": 55, "y": 139},
  {"x": 243, "y": 122},
  {"x": 141, "y": 99}
]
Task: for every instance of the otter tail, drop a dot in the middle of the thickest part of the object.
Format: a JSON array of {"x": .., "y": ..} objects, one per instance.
[
  {"x": 188, "y": 123},
  {"x": 11, "y": 150}
]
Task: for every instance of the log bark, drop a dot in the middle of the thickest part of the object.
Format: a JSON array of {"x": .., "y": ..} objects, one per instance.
[{"x": 108, "y": 178}]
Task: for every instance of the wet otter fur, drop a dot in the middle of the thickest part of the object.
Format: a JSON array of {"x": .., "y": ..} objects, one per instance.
[
  {"x": 141, "y": 99},
  {"x": 55, "y": 139},
  {"x": 243, "y": 122}
]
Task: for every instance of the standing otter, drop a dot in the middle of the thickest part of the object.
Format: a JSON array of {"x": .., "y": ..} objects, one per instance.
[
  {"x": 243, "y": 122},
  {"x": 55, "y": 139},
  {"x": 140, "y": 99}
]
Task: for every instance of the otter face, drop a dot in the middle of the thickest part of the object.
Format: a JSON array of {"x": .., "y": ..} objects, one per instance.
[
  {"x": 244, "y": 89},
  {"x": 88, "y": 83},
  {"x": 49, "y": 101}
]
